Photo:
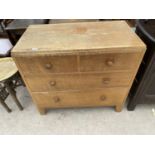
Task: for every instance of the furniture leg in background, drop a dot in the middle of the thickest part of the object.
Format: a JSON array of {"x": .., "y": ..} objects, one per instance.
[
  {"x": 9, "y": 80},
  {"x": 143, "y": 88}
]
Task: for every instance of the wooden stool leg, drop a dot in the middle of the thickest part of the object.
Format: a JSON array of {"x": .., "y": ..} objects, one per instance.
[
  {"x": 13, "y": 95},
  {"x": 5, "y": 106}
]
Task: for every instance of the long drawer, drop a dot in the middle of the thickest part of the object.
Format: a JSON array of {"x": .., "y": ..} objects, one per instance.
[
  {"x": 96, "y": 97},
  {"x": 77, "y": 81}
]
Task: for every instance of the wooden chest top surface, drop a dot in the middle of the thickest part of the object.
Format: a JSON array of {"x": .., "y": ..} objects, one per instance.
[{"x": 72, "y": 38}]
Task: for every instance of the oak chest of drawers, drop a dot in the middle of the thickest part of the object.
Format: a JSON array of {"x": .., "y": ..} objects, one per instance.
[{"x": 79, "y": 64}]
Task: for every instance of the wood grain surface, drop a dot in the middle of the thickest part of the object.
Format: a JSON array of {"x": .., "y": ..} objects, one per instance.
[{"x": 72, "y": 38}]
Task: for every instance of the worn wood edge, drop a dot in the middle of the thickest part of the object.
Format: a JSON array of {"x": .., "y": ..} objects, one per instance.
[
  {"x": 47, "y": 52},
  {"x": 24, "y": 79},
  {"x": 81, "y": 73},
  {"x": 81, "y": 90},
  {"x": 76, "y": 107},
  {"x": 133, "y": 77},
  {"x": 88, "y": 72},
  {"x": 75, "y": 73}
]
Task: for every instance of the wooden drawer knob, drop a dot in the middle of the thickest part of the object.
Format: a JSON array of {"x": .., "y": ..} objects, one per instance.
[
  {"x": 53, "y": 83},
  {"x": 56, "y": 99},
  {"x": 106, "y": 80},
  {"x": 110, "y": 62},
  {"x": 102, "y": 98},
  {"x": 48, "y": 66}
]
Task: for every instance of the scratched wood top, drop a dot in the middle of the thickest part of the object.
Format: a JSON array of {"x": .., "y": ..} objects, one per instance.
[{"x": 82, "y": 37}]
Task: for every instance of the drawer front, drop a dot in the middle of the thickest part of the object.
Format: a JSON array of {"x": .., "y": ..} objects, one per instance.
[
  {"x": 77, "y": 81},
  {"x": 109, "y": 62},
  {"x": 47, "y": 64},
  {"x": 98, "y": 97}
]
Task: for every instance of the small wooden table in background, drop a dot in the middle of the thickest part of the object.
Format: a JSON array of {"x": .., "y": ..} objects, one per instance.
[{"x": 9, "y": 80}]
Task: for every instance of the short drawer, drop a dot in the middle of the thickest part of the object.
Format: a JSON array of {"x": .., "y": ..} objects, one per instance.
[
  {"x": 47, "y": 64},
  {"x": 98, "y": 97},
  {"x": 109, "y": 62},
  {"x": 77, "y": 81}
]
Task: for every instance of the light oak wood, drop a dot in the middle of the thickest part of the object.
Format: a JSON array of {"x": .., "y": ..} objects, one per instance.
[
  {"x": 48, "y": 64},
  {"x": 82, "y": 98},
  {"x": 109, "y": 62},
  {"x": 77, "y": 81},
  {"x": 78, "y": 38},
  {"x": 79, "y": 64}
]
